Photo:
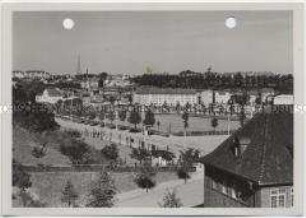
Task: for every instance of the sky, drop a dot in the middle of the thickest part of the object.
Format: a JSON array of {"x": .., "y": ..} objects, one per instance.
[{"x": 170, "y": 41}]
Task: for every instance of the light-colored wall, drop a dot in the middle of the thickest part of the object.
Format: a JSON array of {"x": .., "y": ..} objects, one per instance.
[{"x": 265, "y": 194}]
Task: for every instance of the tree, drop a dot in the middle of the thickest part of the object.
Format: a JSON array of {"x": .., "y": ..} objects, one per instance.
[
  {"x": 102, "y": 192},
  {"x": 111, "y": 151},
  {"x": 69, "y": 195},
  {"x": 122, "y": 115},
  {"x": 21, "y": 178},
  {"x": 242, "y": 116},
  {"x": 170, "y": 200},
  {"x": 76, "y": 150},
  {"x": 144, "y": 178},
  {"x": 135, "y": 117},
  {"x": 149, "y": 118},
  {"x": 214, "y": 123},
  {"x": 187, "y": 160},
  {"x": 111, "y": 115},
  {"x": 158, "y": 125},
  {"x": 140, "y": 154},
  {"x": 39, "y": 151},
  {"x": 185, "y": 118},
  {"x": 101, "y": 115}
]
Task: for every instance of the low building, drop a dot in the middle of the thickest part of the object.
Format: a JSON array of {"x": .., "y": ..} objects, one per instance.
[
  {"x": 283, "y": 100},
  {"x": 206, "y": 97},
  {"x": 90, "y": 84},
  {"x": 222, "y": 97},
  {"x": 50, "y": 95},
  {"x": 171, "y": 97},
  {"x": 253, "y": 167}
]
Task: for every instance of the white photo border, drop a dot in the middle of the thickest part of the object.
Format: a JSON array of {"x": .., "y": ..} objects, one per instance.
[{"x": 6, "y": 120}]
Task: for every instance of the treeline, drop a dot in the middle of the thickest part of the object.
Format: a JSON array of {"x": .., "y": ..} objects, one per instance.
[{"x": 210, "y": 80}]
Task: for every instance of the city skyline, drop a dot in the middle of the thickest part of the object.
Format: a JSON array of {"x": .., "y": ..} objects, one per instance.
[{"x": 128, "y": 42}]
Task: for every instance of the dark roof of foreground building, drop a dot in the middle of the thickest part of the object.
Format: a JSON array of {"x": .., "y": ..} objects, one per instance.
[{"x": 268, "y": 155}]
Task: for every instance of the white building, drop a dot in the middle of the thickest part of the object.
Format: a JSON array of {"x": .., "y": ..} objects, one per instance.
[
  {"x": 283, "y": 100},
  {"x": 50, "y": 95},
  {"x": 171, "y": 97},
  {"x": 222, "y": 97},
  {"x": 206, "y": 97},
  {"x": 90, "y": 84}
]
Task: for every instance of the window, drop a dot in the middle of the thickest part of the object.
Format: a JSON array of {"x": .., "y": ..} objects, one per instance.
[
  {"x": 224, "y": 188},
  {"x": 278, "y": 197}
]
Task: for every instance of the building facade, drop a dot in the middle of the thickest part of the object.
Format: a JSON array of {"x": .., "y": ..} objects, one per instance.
[
  {"x": 51, "y": 95},
  {"x": 253, "y": 167},
  {"x": 171, "y": 97}
]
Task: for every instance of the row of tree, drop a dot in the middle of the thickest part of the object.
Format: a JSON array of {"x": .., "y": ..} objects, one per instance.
[{"x": 212, "y": 80}]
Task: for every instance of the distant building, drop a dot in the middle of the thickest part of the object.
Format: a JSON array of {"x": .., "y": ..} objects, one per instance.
[
  {"x": 222, "y": 97},
  {"x": 253, "y": 167},
  {"x": 90, "y": 84},
  {"x": 158, "y": 97},
  {"x": 18, "y": 74},
  {"x": 283, "y": 100},
  {"x": 51, "y": 95},
  {"x": 206, "y": 97}
]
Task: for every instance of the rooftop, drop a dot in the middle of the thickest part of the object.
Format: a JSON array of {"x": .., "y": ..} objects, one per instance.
[{"x": 268, "y": 156}]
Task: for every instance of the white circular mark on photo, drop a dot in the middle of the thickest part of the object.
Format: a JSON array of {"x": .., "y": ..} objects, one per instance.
[
  {"x": 68, "y": 23},
  {"x": 231, "y": 22}
]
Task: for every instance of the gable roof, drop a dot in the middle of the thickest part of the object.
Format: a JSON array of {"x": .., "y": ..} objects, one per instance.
[{"x": 268, "y": 158}]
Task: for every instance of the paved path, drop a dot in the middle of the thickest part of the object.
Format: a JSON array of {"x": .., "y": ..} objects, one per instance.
[{"x": 191, "y": 193}]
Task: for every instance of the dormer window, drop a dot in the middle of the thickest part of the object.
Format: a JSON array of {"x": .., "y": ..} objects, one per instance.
[
  {"x": 243, "y": 143},
  {"x": 240, "y": 145}
]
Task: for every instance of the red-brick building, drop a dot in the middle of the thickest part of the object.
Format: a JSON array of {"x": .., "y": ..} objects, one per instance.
[{"x": 254, "y": 166}]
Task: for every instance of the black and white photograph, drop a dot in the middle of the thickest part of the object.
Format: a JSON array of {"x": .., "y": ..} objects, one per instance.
[{"x": 152, "y": 109}]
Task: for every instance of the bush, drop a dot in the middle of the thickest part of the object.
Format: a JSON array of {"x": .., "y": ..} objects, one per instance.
[
  {"x": 76, "y": 150},
  {"x": 21, "y": 178},
  {"x": 133, "y": 130},
  {"x": 144, "y": 178},
  {"x": 111, "y": 151},
  {"x": 39, "y": 151}
]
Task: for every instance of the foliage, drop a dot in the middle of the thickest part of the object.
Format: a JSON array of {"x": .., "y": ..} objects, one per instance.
[
  {"x": 111, "y": 116},
  {"x": 29, "y": 200},
  {"x": 35, "y": 116},
  {"x": 170, "y": 200},
  {"x": 69, "y": 195},
  {"x": 242, "y": 116},
  {"x": 39, "y": 151},
  {"x": 149, "y": 118},
  {"x": 140, "y": 154},
  {"x": 135, "y": 117},
  {"x": 144, "y": 178},
  {"x": 21, "y": 178},
  {"x": 76, "y": 150},
  {"x": 211, "y": 80},
  {"x": 185, "y": 118},
  {"x": 166, "y": 155},
  {"x": 102, "y": 192},
  {"x": 187, "y": 160},
  {"x": 122, "y": 115},
  {"x": 214, "y": 122},
  {"x": 111, "y": 151}
]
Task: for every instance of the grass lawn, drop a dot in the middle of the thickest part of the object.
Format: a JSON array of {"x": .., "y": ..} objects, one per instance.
[
  {"x": 174, "y": 123},
  {"x": 48, "y": 186},
  {"x": 24, "y": 141}
]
